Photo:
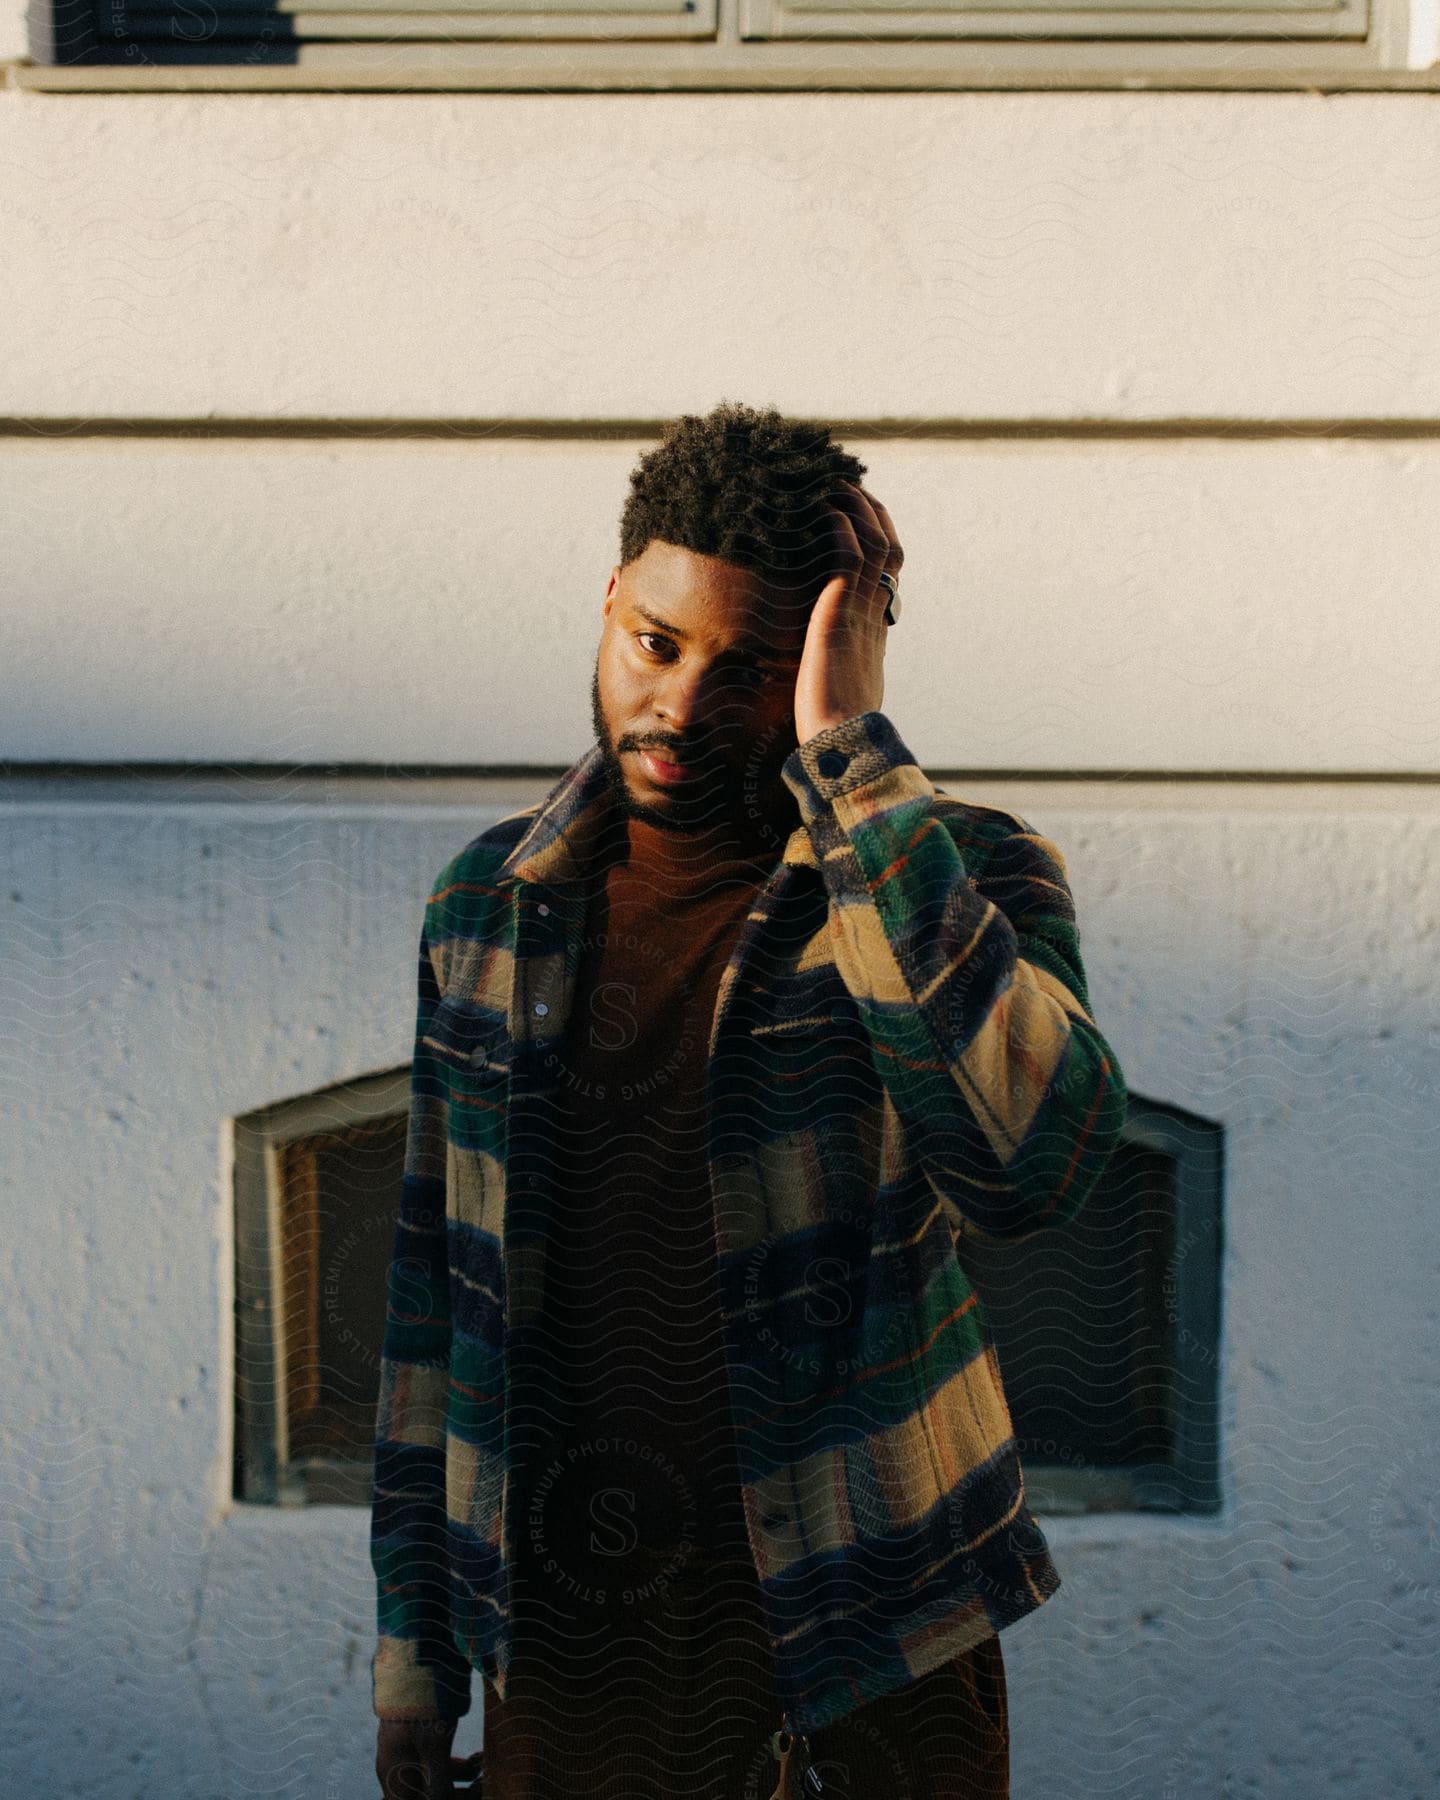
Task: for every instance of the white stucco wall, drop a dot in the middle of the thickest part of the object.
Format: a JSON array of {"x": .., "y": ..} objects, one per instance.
[
  {"x": 581, "y": 257},
  {"x": 1098, "y": 264},
  {"x": 1125, "y": 605},
  {"x": 1138, "y": 272},
  {"x": 1265, "y": 959}
]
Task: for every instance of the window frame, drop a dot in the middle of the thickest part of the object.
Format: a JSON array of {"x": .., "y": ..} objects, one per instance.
[
  {"x": 1393, "y": 47},
  {"x": 264, "y": 1473},
  {"x": 1197, "y": 1146}
]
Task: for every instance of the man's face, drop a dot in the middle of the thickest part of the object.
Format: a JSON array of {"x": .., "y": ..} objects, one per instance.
[{"x": 697, "y": 666}]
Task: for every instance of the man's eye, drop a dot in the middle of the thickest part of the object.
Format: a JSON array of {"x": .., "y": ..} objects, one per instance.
[{"x": 753, "y": 674}]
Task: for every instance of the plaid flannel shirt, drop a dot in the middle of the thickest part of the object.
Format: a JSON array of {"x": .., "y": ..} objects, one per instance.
[{"x": 902, "y": 1056}]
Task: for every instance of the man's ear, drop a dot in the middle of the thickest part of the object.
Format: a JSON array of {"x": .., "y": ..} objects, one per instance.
[{"x": 613, "y": 583}]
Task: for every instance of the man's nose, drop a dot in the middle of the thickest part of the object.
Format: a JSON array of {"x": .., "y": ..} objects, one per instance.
[{"x": 698, "y": 699}]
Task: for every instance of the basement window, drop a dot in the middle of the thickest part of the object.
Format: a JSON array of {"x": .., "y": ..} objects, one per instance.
[
  {"x": 1107, "y": 1330},
  {"x": 317, "y": 1186}
]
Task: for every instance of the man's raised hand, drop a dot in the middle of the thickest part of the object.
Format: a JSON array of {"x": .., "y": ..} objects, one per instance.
[{"x": 842, "y": 669}]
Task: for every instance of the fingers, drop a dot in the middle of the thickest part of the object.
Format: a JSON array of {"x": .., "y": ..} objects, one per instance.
[
  {"x": 895, "y": 555},
  {"x": 871, "y": 532}
]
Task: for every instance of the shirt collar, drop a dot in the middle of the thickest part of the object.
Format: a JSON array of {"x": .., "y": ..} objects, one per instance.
[{"x": 559, "y": 843}]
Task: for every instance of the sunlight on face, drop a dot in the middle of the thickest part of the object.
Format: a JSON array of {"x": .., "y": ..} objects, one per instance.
[{"x": 694, "y": 689}]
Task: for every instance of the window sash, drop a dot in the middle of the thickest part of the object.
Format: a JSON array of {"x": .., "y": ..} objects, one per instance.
[
  {"x": 811, "y": 19},
  {"x": 313, "y": 24}
]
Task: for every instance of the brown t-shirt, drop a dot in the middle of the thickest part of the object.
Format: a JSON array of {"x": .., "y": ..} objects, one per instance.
[{"x": 642, "y": 1425}]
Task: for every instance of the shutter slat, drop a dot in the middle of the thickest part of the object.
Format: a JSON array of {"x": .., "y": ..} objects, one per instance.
[
  {"x": 817, "y": 21},
  {"x": 454, "y": 8},
  {"x": 962, "y": 7},
  {"x": 421, "y": 25}
]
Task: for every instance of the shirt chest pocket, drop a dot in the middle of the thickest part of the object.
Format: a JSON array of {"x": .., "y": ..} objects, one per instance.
[
  {"x": 470, "y": 1042},
  {"x": 470, "y": 1051}
]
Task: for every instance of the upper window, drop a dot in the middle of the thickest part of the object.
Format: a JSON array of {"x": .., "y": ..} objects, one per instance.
[{"x": 767, "y": 45}]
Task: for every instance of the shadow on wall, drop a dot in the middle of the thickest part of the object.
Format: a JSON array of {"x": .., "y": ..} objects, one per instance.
[{"x": 133, "y": 33}]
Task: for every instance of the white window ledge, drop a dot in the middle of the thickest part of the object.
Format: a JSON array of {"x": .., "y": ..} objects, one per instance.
[{"x": 638, "y": 67}]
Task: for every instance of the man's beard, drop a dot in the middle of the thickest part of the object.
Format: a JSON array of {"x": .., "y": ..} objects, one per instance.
[{"x": 751, "y": 803}]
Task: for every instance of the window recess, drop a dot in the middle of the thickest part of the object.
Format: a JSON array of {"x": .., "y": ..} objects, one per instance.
[
  {"x": 1108, "y": 1332},
  {"x": 317, "y": 1189}
]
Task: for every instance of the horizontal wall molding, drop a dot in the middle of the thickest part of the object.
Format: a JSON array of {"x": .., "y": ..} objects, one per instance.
[
  {"x": 1057, "y": 66},
  {"x": 638, "y": 430},
  {"x": 315, "y": 783}
]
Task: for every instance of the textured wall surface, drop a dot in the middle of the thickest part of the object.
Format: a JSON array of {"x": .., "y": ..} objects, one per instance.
[
  {"x": 579, "y": 256},
  {"x": 1155, "y": 275},
  {"x": 1120, "y": 605},
  {"x": 1264, "y": 959}
]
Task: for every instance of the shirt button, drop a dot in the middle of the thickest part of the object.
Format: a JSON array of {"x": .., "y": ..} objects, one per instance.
[
  {"x": 544, "y": 910},
  {"x": 479, "y": 1057},
  {"x": 541, "y": 1009},
  {"x": 831, "y": 763}
]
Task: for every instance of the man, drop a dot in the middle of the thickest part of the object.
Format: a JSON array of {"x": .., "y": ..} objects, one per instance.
[{"x": 691, "y": 1436}]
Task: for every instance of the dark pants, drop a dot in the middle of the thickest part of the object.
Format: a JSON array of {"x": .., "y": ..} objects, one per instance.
[{"x": 665, "y": 1692}]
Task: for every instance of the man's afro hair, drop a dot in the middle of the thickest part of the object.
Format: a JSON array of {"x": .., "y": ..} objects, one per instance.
[{"x": 744, "y": 484}]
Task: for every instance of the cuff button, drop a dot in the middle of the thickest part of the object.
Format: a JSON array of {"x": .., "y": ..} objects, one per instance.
[{"x": 831, "y": 763}]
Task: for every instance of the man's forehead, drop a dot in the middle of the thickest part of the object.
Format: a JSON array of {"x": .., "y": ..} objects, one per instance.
[{"x": 777, "y": 622}]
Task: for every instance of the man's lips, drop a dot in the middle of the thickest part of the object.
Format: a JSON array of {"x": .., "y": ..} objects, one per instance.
[{"x": 660, "y": 768}]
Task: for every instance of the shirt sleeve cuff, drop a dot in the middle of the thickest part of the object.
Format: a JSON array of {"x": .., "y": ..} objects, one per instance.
[{"x": 842, "y": 757}]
